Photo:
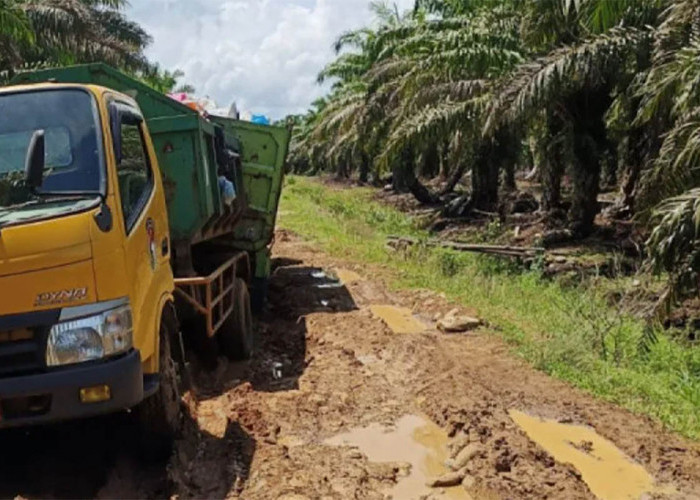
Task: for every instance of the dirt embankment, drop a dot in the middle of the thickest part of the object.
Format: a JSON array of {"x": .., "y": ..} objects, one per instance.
[{"x": 326, "y": 397}]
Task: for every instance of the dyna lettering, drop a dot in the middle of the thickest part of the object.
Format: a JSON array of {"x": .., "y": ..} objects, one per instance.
[{"x": 60, "y": 297}]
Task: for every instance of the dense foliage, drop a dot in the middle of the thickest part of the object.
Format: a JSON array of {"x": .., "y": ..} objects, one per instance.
[
  {"x": 595, "y": 90},
  {"x": 45, "y": 33},
  {"x": 52, "y": 32}
]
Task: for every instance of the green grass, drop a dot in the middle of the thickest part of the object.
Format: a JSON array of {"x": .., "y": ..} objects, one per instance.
[{"x": 569, "y": 333}]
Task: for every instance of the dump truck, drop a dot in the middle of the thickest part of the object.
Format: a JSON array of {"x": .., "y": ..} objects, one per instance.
[{"x": 132, "y": 229}]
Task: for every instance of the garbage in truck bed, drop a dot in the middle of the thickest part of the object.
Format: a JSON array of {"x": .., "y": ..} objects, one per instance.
[
  {"x": 207, "y": 107},
  {"x": 260, "y": 119},
  {"x": 247, "y": 116},
  {"x": 230, "y": 112},
  {"x": 201, "y": 105}
]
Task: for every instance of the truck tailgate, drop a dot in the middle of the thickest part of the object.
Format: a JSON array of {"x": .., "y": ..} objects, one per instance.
[{"x": 264, "y": 155}]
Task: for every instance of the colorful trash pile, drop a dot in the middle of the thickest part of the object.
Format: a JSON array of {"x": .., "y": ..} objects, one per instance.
[{"x": 207, "y": 107}]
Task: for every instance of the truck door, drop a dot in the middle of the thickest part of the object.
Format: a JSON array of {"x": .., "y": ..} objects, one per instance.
[{"x": 143, "y": 220}]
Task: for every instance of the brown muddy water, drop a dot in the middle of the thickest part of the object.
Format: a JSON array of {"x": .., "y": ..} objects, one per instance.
[
  {"x": 608, "y": 472},
  {"x": 414, "y": 441},
  {"x": 398, "y": 319},
  {"x": 346, "y": 276}
]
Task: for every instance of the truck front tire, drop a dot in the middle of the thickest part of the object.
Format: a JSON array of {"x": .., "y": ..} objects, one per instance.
[
  {"x": 159, "y": 415},
  {"x": 236, "y": 337}
]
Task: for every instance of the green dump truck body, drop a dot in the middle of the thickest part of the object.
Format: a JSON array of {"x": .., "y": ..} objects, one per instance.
[
  {"x": 185, "y": 145},
  {"x": 264, "y": 155}
]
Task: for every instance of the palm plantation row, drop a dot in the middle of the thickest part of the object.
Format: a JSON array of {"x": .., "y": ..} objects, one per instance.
[{"x": 596, "y": 90}]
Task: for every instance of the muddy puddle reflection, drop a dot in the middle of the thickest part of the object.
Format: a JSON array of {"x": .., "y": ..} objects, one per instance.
[
  {"x": 336, "y": 278},
  {"x": 608, "y": 472},
  {"x": 399, "y": 319},
  {"x": 414, "y": 440},
  {"x": 347, "y": 276}
]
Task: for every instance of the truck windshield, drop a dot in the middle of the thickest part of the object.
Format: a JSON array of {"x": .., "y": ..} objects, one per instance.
[{"x": 73, "y": 156}]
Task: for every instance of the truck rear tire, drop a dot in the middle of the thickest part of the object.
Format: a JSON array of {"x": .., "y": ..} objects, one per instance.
[
  {"x": 159, "y": 415},
  {"x": 236, "y": 337}
]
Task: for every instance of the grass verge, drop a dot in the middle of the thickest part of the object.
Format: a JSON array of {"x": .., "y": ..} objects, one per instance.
[{"x": 570, "y": 333}]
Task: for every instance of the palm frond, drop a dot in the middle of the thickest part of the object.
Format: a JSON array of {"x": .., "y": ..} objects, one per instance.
[
  {"x": 677, "y": 165},
  {"x": 538, "y": 83},
  {"x": 674, "y": 245}
]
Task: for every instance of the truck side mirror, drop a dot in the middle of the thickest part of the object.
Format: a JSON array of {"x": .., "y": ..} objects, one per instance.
[
  {"x": 35, "y": 161},
  {"x": 115, "y": 127}
]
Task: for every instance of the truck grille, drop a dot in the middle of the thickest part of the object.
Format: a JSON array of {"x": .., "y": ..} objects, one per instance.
[{"x": 21, "y": 352}]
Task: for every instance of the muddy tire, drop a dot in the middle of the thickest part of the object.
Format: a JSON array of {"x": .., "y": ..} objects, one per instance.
[
  {"x": 159, "y": 415},
  {"x": 236, "y": 337}
]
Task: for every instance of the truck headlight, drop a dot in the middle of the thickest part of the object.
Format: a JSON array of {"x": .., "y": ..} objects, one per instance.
[{"x": 90, "y": 338}]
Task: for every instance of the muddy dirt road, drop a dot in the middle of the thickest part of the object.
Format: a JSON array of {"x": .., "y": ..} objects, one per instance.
[{"x": 355, "y": 394}]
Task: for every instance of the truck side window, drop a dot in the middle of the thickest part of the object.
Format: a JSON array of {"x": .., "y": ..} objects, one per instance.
[{"x": 135, "y": 174}]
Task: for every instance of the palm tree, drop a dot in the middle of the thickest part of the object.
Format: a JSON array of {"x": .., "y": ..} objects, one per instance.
[
  {"x": 335, "y": 132},
  {"x": 397, "y": 73},
  {"x": 469, "y": 82},
  {"x": 15, "y": 30},
  {"x": 438, "y": 80},
  {"x": 670, "y": 113},
  {"x": 72, "y": 31},
  {"x": 55, "y": 32},
  {"x": 163, "y": 80},
  {"x": 571, "y": 88}
]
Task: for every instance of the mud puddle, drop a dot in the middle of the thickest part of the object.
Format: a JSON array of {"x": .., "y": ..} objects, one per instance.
[
  {"x": 608, "y": 472},
  {"x": 414, "y": 441},
  {"x": 335, "y": 278},
  {"x": 347, "y": 276},
  {"x": 399, "y": 319}
]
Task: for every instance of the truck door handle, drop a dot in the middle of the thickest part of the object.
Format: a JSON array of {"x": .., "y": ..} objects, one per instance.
[{"x": 165, "y": 247}]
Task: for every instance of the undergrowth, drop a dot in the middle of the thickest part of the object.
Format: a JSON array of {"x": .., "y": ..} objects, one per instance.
[{"x": 570, "y": 333}]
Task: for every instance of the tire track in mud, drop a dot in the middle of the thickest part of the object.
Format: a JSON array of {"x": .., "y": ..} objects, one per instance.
[{"x": 327, "y": 366}]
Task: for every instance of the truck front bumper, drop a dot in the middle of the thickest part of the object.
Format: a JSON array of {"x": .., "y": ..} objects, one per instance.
[{"x": 56, "y": 396}]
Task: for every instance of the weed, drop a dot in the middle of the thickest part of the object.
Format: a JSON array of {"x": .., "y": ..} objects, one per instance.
[
  {"x": 491, "y": 231},
  {"x": 448, "y": 263}
]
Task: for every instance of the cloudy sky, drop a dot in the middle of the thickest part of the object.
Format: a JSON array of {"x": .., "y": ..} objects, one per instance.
[{"x": 264, "y": 54}]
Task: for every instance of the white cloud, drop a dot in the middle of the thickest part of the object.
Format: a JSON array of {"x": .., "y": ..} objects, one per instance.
[{"x": 264, "y": 54}]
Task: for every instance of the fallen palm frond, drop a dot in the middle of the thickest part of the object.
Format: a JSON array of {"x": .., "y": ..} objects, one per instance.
[{"x": 397, "y": 242}]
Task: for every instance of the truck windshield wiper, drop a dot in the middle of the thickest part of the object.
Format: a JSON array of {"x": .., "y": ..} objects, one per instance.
[
  {"x": 67, "y": 195},
  {"x": 51, "y": 198}
]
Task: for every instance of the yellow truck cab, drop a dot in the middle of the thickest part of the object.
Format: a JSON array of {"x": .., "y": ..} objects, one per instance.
[
  {"x": 73, "y": 276},
  {"x": 89, "y": 297}
]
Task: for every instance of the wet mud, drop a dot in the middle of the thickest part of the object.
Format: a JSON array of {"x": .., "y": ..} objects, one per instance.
[
  {"x": 398, "y": 319},
  {"x": 608, "y": 472},
  {"x": 337, "y": 405},
  {"x": 415, "y": 443}
]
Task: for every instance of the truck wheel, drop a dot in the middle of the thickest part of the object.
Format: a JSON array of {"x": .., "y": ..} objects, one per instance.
[
  {"x": 159, "y": 415},
  {"x": 236, "y": 336}
]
